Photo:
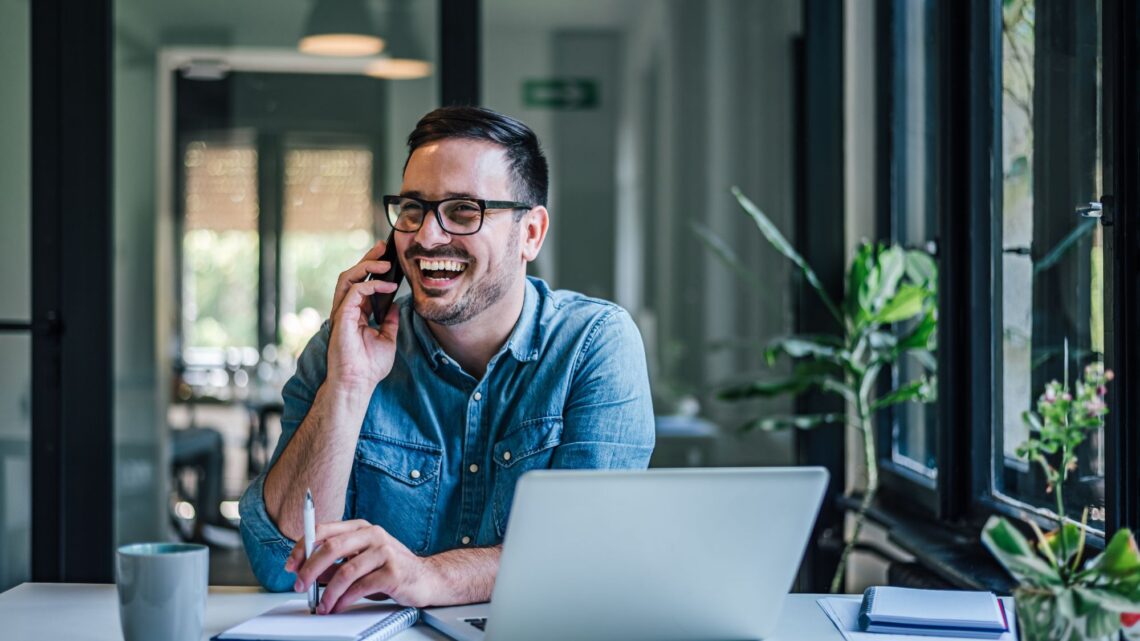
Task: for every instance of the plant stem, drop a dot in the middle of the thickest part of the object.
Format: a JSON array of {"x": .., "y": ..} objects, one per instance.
[{"x": 865, "y": 426}]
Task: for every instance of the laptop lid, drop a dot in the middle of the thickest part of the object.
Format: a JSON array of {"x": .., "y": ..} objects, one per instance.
[{"x": 698, "y": 553}]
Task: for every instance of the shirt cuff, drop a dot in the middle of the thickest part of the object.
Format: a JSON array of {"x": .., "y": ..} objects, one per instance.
[{"x": 265, "y": 545}]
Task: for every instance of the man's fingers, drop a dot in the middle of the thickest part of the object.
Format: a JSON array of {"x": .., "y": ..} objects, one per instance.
[
  {"x": 342, "y": 545},
  {"x": 344, "y": 582},
  {"x": 356, "y": 274},
  {"x": 355, "y": 300},
  {"x": 391, "y": 324},
  {"x": 323, "y": 531},
  {"x": 370, "y": 586}
]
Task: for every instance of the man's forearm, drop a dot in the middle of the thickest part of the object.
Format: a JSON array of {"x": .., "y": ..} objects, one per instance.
[
  {"x": 466, "y": 575},
  {"x": 318, "y": 457}
]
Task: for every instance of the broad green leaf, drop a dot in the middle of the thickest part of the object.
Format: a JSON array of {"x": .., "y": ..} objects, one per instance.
[
  {"x": 803, "y": 422},
  {"x": 1120, "y": 556},
  {"x": 765, "y": 389},
  {"x": 917, "y": 390},
  {"x": 724, "y": 253},
  {"x": 857, "y": 302},
  {"x": 777, "y": 240},
  {"x": 1069, "y": 536},
  {"x": 1014, "y": 552},
  {"x": 921, "y": 268},
  {"x": 891, "y": 265},
  {"x": 922, "y": 335},
  {"x": 905, "y": 304},
  {"x": 799, "y": 347},
  {"x": 1106, "y": 599}
]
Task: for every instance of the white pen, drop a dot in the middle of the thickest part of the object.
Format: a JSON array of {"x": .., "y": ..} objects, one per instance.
[{"x": 310, "y": 536}]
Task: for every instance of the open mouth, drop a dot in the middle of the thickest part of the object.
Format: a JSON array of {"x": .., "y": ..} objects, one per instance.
[{"x": 437, "y": 273}]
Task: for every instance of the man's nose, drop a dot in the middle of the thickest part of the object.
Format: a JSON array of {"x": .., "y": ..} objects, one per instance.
[{"x": 430, "y": 233}]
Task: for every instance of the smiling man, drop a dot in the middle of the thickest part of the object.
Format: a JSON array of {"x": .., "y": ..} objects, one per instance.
[{"x": 413, "y": 434}]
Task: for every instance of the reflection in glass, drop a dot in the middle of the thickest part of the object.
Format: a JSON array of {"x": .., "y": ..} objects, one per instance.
[
  {"x": 15, "y": 460},
  {"x": 914, "y": 222},
  {"x": 1052, "y": 304}
]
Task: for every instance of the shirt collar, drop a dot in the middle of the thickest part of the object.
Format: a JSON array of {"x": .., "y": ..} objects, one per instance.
[{"x": 523, "y": 343}]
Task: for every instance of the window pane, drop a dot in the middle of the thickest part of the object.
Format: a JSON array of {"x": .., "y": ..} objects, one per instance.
[
  {"x": 914, "y": 223},
  {"x": 328, "y": 227},
  {"x": 15, "y": 301},
  {"x": 220, "y": 245},
  {"x": 1052, "y": 255}
]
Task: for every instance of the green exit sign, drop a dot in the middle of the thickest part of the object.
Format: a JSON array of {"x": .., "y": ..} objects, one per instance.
[{"x": 560, "y": 93}]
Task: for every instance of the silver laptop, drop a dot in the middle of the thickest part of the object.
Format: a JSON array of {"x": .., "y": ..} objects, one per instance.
[{"x": 696, "y": 554}]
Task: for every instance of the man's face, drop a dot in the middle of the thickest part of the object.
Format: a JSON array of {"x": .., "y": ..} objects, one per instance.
[{"x": 489, "y": 261}]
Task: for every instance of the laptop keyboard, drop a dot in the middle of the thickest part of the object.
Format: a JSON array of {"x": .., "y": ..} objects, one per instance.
[{"x": 480, "y": 623}]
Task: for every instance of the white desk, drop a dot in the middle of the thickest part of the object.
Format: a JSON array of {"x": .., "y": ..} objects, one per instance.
[{"x": 89, "y": 612}]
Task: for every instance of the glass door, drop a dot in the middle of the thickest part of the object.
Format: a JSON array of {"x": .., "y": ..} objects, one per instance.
[{"x": 15, "y": 295}]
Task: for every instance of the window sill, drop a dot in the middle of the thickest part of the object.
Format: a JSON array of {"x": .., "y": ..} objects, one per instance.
[{"x": 953, "y": 553}]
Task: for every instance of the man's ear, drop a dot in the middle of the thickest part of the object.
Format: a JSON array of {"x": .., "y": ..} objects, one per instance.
[{"x": 533, "y": 230}]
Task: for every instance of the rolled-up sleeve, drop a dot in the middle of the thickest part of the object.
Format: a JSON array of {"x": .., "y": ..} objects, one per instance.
[
  {"x": 608, "y": 419},
  {"x": 265, "y": 545}
]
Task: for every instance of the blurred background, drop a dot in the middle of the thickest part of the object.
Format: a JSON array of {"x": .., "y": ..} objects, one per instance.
[{"x": 248, "y": 154}]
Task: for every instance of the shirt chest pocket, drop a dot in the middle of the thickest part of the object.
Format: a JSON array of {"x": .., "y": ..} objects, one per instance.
[
  {"x": 529, "y": 446},
  {"x": 397, "y": 487}
]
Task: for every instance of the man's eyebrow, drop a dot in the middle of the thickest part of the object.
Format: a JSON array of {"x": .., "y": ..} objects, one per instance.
[{"x": 446, "y": 196}]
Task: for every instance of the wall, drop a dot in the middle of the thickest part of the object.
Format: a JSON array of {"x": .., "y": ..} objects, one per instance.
[{"x": 702, "y": 100}]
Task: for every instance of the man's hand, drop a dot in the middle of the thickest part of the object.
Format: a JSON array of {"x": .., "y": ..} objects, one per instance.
[
  {"x": 359, "y": 356},
  {"x": 375, "y": 565}
]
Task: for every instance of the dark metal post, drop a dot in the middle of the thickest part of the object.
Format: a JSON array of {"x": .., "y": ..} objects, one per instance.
[
  {"x": 820, "y": 198},
  {"x": 73, "y": 505}
]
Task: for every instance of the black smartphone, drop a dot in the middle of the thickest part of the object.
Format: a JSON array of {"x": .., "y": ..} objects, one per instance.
[{"x": 381, "y": 302}]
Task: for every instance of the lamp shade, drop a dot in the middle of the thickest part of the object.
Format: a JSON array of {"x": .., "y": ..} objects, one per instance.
[
  {"x": 406, "y": 56},
  {"x": 340, "y": 28}
]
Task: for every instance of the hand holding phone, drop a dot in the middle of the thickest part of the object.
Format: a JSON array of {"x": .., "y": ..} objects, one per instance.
[{"x": 395, "y": 274}]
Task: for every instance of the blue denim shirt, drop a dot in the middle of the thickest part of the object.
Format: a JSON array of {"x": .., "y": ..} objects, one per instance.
[{"x": 439, "y": 452}]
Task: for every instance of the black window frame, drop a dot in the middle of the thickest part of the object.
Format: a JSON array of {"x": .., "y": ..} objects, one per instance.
[{"x": 969, "y": 180}]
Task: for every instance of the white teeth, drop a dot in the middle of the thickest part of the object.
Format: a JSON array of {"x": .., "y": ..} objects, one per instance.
[{"x": 442, "y": 265}]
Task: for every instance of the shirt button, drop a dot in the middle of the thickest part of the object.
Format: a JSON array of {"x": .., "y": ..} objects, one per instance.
[
  {"x": 506, "y": 456},
  {"x": 478, "y": 396},
  {"x": 415, "y": 474},
  {"x": 474, "y": 468},
  {"x": 466, "y": 540}
]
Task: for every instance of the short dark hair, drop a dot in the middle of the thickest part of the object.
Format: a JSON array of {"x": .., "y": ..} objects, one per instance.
[{"x": 530, "y": 176}]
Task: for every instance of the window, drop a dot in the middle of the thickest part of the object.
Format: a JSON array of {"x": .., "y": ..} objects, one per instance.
[
  {"x": 911, "y": 208},
  {"x": 219, "y": 245},
  {"x": 328, "y": 227},
  {"x": 1052, "y": 240}
]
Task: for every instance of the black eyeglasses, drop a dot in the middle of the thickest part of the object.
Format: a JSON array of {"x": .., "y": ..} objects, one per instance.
[{"x": 456, "y": 216}]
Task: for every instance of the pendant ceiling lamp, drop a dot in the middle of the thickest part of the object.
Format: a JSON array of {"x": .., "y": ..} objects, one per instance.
[
  {"x": 340, "y": 28},
  {"x": 406, "y": 57}
]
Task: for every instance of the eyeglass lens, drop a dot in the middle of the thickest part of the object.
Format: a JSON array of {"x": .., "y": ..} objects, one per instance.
[{"x": 458, "y": 216}]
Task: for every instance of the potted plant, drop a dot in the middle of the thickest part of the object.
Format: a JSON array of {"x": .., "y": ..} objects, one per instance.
[
  {"x": 1061, "y": 594},
  {"x": 885, "y": 287}
]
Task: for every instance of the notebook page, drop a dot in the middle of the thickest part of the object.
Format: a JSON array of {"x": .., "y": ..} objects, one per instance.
[
  {"x": 291, "y": 621},
  {"x": 902, "y": 605}
]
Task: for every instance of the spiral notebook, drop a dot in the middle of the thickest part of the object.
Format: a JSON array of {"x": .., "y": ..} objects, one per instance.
[{"x": 291, "y": 621}]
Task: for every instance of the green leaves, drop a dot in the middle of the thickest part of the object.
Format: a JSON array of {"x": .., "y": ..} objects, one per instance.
[
  {"x": 803, "y": 422},
  {"x": 777, "y": 240},
  {"x": 920, "y": 390},
  {"x": 1120, "y": 558},
  {"x": 906, "y": 303},
  {"x": 1013, "y": 551}
]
